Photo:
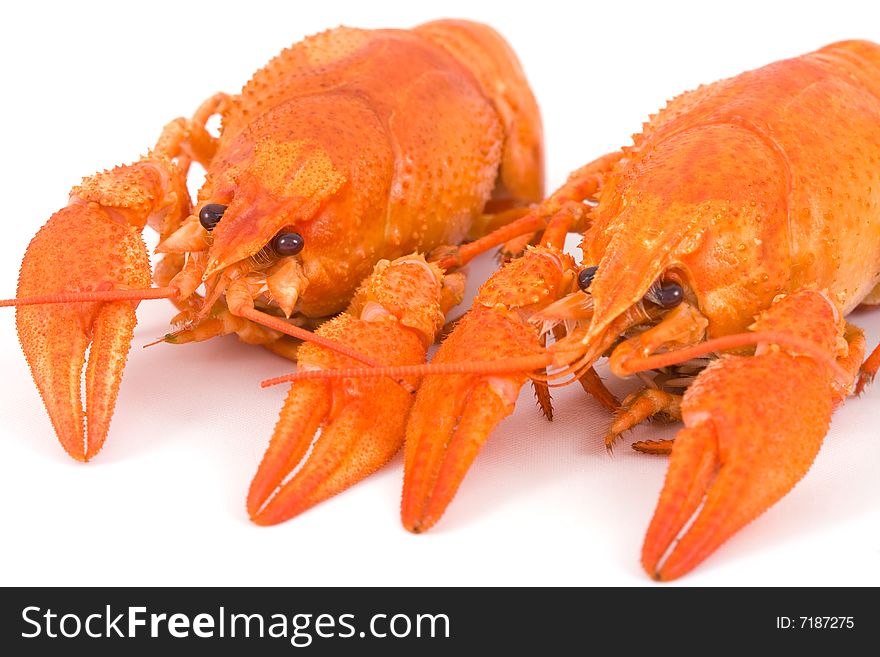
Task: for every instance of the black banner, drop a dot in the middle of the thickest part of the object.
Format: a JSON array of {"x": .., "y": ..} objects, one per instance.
[{"x": 434, "y": 621}]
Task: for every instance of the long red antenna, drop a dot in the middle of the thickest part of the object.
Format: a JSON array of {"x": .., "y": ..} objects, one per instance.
[
  {"x": 93, "y": 296},
  {"x": 503, "y": 366},
  {"x": 538, "y": 361},
  {"x": 787, "y": 340},
  {"x": 171, "y": 292},
  {"x": 296, "y": 332}
]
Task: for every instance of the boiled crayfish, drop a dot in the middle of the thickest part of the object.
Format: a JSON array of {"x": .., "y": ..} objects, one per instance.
[
  {"x": 342, "y": 161},
  {"x": 723, "y": 249}
]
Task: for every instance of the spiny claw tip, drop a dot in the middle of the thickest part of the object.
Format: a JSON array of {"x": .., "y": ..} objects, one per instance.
[
  {"x": 609, "y": 444},
  {"x": 864, "y": 380}
]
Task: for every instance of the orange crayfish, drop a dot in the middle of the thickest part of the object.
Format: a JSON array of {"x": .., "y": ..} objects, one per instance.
[
  {"x": 338, "y": 165},
  {"x": 722, "y": 251}
]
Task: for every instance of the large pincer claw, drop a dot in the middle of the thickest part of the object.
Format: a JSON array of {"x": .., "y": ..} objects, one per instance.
[
  {"x": 333, "y": 433},
  {"x": 454, "y": 414},
  {"x": 753, "y": 426},
  {"x": 81, "y": 248}
]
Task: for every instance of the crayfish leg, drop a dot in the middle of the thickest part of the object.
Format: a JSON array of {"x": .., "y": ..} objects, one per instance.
[
  {"x": 868, "y": 370},
  {"x": 658, "y": 447},
  {"x": 565, "y": 207},
  {"x": 593, "y": 385},
  {"x": 640, "y": 406}
]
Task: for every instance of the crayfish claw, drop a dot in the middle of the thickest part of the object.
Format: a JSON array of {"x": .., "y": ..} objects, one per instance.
[
  {"x": 691, "y": 469},
  {"x": 439, "y": 456},
  {"x": 746, "y": 443},
  {"x": 334, "y": 433},
  {"x": 454, "y": 415},
  {"x": 80, "y": 249},
  {"x": 323, "y": 450}
]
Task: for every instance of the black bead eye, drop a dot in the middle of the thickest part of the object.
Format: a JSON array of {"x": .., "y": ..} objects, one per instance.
[
  {"x": 585, "y": 277},
  {"x": 669, "y": 295},
  {"x": 210, "y": 215},
  {"x": 287, "y": 244}
]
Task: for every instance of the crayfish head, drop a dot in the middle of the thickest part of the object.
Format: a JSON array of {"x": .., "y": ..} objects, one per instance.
[
  {"x": 256, "y": 222},
  {"x": 275, "y": 191},
  {"x": 309, "y": 179},
  {"x": 631, "y": 283}
]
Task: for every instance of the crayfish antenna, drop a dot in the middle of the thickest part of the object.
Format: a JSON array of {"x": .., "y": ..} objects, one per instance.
[
  {"x": 335, "y": 346},
  {"x": 485, "y": 367},
  {"x": 789, "y": 341},
  {"x": 92, "y": 296}
]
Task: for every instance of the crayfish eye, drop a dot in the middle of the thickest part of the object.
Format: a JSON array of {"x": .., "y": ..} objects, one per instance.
[
  {"x": 668, "y": 295},
  {"x": 585, "y": 277},
  {"x": 210, "y": 215},
  {"x": 287, "y": 244}
]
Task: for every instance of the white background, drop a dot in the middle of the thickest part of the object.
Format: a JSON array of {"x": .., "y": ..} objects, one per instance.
[{"x": 86, "y": 87}]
